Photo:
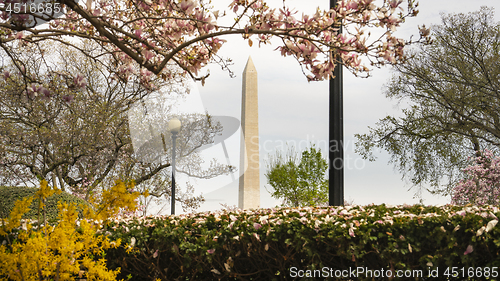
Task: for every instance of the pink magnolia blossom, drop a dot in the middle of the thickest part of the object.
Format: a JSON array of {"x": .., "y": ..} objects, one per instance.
[
  {"x": 188, "y": 6},
  {"x": 395, "y": 3},
  {"x": 79, "y": 81},
  {"x": 138, "y": 32},
  {"x": 147, "y": 55},
  {"x": 46, "y": 93},
  {"x": 68, "y": 98},
  {"x": 20, "y": 35},
  {"x": 352, "y": 5}
]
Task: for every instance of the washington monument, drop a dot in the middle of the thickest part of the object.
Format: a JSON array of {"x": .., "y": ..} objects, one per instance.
[{"x": 249, "y": 190}]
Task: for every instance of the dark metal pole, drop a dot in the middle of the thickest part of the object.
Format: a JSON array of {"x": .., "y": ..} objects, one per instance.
[
  {"x": 336, "y": 135},
  {"x": 172, "y": 207}
]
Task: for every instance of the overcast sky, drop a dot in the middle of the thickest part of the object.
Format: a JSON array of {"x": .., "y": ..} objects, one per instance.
[{"x": 295, "y": 111}]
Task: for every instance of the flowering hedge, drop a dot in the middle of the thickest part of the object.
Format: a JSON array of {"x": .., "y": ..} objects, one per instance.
[{"x": 266, "y": 244}]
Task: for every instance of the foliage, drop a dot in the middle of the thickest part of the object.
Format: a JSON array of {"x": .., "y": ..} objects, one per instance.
[
  {"x": 483, "y": 185},
  {"x": 9, "y": 195},
  {"x": 266, "y": 244},
  {"x": 299, "y": 183},
  {"x": 452, "y": 89},
  {"x": 72, "y": 247},
  {"x": 146, "y": 38}
]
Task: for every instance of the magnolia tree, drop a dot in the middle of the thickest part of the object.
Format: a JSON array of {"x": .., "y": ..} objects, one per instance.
[
  {"x": 483, "y": 185},
  {"x": 145, "y": 37},
  {"x": 74, "y": 132}
]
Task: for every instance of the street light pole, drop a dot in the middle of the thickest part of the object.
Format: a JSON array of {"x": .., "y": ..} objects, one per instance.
[
  {"x": 175, "y": 126},
  {"x": 336, "y": 134}
]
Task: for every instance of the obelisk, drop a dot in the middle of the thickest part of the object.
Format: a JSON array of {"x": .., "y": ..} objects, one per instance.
[{"x": 249, "y": 191}]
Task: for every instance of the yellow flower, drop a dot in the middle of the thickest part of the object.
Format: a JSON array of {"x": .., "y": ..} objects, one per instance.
[
  {"x": 14, "y": 220},
  {"x": 67, "y": 247}
]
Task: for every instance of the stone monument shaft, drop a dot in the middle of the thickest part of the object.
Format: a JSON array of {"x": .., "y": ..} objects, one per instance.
[{"x": 249, "y": 189}]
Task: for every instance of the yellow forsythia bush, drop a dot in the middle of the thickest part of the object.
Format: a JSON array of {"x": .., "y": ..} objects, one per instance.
[{"x": 70, "y": 249}]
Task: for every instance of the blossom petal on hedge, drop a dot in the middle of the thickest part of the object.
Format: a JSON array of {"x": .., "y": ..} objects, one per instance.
[
  {"x": 480, "y": 231},
  {"x": 256, "y": 236},
  {"x": 491, "y": 225},
  {"x": 215, "y": 271},
  {"x": 469, "y": 250}
]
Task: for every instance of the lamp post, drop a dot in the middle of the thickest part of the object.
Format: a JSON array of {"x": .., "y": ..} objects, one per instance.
[
  {"x": 336, "y": 134},
  {"x": 174, "y": 126}
]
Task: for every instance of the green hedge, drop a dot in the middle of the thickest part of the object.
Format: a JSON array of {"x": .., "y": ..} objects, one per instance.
[
  {"x": 9, "y": 195},
  {"x": 311, "y": 244}
]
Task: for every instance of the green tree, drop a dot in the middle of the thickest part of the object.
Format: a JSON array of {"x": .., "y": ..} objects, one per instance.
[
  {"x": 298, "y": 182},
  {"x": 453, "y": 91}
]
